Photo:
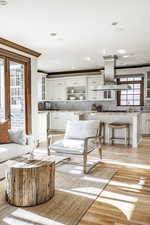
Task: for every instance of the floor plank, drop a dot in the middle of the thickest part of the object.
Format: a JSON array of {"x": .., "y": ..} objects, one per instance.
[{"x": 126, "y": 199}]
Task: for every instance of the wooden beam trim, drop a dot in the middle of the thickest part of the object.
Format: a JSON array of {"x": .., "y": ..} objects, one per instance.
[
  {"x": 96, "y": 70},
  {"x": 16, "y": 56},
  {"x": 19, "y": 47}
]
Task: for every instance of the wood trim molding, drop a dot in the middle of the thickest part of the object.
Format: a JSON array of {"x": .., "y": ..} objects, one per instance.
[
  {"x": 16, "y": 56},
  {"x": 19, "y": 47},
  {"x": 71, "y": 72},
  {"x": 95, "y": 70},
  {"x": 8, "y": 56}
]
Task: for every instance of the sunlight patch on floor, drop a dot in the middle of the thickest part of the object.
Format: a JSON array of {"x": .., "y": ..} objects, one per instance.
[
  {"x": 95, "y": 179},
  {"x": 75, "y": 192},
  {"x": 24, "y": 217},
  {"x": 121, "y": 184},
  {"x": 116, "y": 196},
  {"x": 125, "y": 207},
  {"x": 133, "y": 165},
  {"x": 87, "y": 190}
]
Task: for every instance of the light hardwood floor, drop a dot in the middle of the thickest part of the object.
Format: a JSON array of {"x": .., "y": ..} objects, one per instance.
[{"x": 126, "y": 199}]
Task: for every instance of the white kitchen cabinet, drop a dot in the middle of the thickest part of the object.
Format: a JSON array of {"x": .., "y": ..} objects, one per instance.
[
  {"x": 76, "y": 82},
  {"x": 56, "y": 90},
  {"x": 50, "y": 90},
  {"x": 60, "y": 90},
  {"x": 146, "y": 124},
  {"x": 58, "y": 120},
  {"x": 42, "y": 86},
  {"x": 93, "y": 82}
]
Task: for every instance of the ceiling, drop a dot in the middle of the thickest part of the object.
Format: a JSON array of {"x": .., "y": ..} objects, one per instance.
[{"x": 84, "y": 31}]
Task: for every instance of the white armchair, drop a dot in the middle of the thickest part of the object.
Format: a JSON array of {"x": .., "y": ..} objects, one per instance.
[{"x": 81, "y": 138}]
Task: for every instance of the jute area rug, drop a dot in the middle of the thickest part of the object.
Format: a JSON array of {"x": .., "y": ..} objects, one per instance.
[{"x": 75, "y": 193}]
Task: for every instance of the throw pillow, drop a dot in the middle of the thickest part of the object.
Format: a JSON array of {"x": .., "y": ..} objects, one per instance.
[
  {"x": 17, "y": 136},
  {"x": 4, "y": 135}
]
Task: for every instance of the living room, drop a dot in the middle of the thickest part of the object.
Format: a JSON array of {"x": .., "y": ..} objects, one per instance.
[{"x": 74, "y": 112}]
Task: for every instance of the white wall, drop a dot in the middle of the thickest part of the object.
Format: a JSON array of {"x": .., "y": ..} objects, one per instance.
[{"x": 34, "y": 83}]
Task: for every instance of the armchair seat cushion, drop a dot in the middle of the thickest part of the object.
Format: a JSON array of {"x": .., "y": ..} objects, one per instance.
[{"x": 72, "y": 146}]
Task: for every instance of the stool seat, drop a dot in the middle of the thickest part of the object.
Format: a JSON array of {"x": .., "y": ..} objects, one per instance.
[
  {"x": 118, "y": 125},
  {"x": 125, "y": 126}
]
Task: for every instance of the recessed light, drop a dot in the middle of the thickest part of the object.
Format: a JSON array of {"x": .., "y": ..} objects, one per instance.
[
  {"x": 53, "y": 34},
  {"x": 118, "y": 29},
  {"x": 87, "y": 58},
  {"x": 114, "y": 23},
  {"x": 3, "y": 2},
  {"x": 121, "y": 51},
  {"x": 125, "y": 56}
]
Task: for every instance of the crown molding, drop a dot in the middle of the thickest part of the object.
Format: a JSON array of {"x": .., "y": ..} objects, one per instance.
[{"x": 19, "y": 47}]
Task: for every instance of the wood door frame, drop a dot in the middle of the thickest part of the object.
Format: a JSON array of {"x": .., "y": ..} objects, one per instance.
[{"x": 11, "y": 56}]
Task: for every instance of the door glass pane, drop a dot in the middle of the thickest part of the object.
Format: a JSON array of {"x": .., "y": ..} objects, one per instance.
[
  {"x": 17, "y": 109},
  {"x": 2, "y": 93}
]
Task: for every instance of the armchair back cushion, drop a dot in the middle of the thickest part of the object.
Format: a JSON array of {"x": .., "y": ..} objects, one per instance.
[
  {"x": 81, "y": 129},
  {"x": 17, "y": 136}
]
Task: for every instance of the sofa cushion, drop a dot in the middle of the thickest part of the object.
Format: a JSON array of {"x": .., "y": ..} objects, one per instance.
[
  {"x": 81, "y": 129},
  {"x": 4, "y": 135},
  {"x": 8, "y": 151},
  {"x": 17, "y": 136}
]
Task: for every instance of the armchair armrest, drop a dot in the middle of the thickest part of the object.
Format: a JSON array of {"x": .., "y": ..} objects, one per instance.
[
  {"x": 97, "y": 138},
  {"x": 54, "y": 135}
]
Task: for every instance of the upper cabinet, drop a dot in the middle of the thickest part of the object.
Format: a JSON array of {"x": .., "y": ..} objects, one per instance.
[
  {"x": 42, "y": 86},
  {"x": 80, "y": 88},
  {"x": 56, "y": 89},
  {"x": 76, "y": 88},
  {"x": 147, "y": 85},
  {"x": 94, "y": 82}
]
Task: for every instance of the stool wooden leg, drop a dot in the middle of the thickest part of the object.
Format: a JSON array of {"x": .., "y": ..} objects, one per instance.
[
  {"x": 108, "y": 135},
  {"x": 128, "y": 135},
  {"x": 125, "y": 138},
  {"x": 103, "y": 133},
  {"x": 112, "y": 140}
]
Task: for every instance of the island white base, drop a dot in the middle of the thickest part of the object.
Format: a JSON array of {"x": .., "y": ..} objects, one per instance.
[{"x": 134, "y": 120}]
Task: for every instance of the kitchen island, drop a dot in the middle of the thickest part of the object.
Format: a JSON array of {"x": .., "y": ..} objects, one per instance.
[
  {"x": 57, "y": 119},
  {"x": 133, "y": 118}
]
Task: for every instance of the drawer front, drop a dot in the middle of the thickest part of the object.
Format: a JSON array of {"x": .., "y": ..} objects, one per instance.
[
  {"x": 76, "y": 82},
  {"x": 60, "y": 83},
  {"x": 95, "y": 81}
]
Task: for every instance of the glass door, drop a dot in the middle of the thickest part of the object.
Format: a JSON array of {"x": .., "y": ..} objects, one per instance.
[
  {"x": 15, "y": 90},
  {"x": 17, "y": 96},
  {"x": 2, "y": 89}
]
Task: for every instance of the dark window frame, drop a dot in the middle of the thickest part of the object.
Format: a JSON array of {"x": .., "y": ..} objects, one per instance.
[{"x": 141, "y": 82}]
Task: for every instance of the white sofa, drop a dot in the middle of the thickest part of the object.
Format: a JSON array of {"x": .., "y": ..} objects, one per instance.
[
  {"x": 18, "y": 147},
  {"x": 9, "y": 151}
]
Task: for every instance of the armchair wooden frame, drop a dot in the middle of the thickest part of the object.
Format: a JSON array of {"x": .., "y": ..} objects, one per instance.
[{"x": 86, "y": 151}]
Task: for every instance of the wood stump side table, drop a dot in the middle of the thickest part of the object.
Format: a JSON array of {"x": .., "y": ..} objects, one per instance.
[{"x": 30, "y": 182}]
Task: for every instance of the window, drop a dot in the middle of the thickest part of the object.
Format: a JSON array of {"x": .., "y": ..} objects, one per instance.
[{"x": 134, "y": 96}]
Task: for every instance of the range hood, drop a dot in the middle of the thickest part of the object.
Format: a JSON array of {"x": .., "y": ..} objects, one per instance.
[{"x": 109, "y": 76}]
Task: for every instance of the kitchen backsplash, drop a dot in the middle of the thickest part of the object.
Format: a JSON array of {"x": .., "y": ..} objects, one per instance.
[{"x": 106, "y": 106}]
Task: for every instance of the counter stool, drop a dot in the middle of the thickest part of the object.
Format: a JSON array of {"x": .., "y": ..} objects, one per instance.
[{"x": 124, "y": 126}]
